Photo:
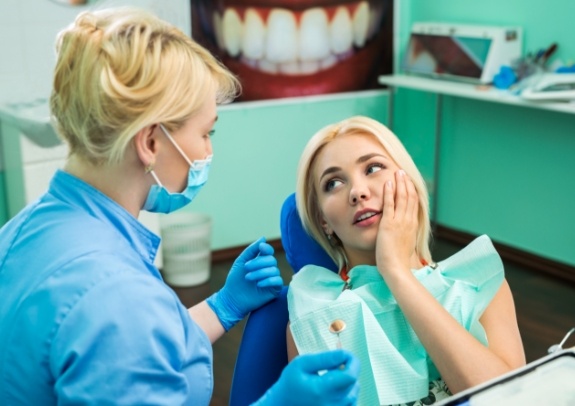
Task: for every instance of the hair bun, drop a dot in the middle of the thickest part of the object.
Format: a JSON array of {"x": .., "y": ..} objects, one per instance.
[{"x": 88, "y": 22}]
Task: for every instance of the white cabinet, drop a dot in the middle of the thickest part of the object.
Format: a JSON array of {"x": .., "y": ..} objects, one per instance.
[
  {"x": 38, "y": 166},
  {"x": 29, "y": 167}
]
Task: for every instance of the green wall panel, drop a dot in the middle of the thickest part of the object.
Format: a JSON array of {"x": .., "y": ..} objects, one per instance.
[
  {"x": 505, "y": 171},
  {"x": 416, "y": 131}
]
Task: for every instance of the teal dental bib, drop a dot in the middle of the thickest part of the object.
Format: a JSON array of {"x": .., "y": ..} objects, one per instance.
[{"x": 395, "y": 368}]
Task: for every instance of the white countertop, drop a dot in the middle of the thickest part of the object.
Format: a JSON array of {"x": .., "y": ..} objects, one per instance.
[{"x": 471, "y": 91}]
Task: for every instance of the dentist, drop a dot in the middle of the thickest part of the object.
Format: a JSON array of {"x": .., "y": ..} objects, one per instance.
[{"x": 85, "y": 317}]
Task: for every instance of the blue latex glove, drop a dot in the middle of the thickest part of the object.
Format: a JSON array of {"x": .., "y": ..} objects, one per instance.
[
  {"x": 253, "y": 281},
  {"x": 505, "y": 78},
  {"x": 301, "y": 384}
]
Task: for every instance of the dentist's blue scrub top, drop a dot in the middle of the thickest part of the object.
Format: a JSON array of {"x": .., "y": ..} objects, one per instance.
[{"x": 85, "y": 317}]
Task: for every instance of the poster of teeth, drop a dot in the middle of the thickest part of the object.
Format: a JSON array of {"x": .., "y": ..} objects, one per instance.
[{"x": 292, "y": 48}]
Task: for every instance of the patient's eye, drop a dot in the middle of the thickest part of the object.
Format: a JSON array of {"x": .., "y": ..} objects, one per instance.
[
  {"x": 331, "y": 184},
  {"x": 375, "y": 167}
]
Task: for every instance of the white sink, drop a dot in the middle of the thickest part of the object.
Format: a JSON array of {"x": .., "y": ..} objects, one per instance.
[{"x": 33, "y": 120}]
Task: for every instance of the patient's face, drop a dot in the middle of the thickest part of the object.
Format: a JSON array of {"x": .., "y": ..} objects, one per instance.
[{"x": 349, "y": 174}]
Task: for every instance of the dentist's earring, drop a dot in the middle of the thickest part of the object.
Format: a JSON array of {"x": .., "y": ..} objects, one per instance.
[{"x": 150, "y": 167}]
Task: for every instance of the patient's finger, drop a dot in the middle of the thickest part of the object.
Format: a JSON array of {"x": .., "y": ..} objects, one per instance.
[
  {"x": 388, "y": 201},
  {"x": 400, "y": 193},
  {"x": 413, "y": 199}
]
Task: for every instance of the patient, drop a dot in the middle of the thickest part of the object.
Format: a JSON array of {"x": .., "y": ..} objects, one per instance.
[{"x": 422, "y": 330}]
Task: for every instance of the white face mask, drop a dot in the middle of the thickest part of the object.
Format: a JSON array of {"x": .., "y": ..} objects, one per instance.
[{"x": 160, "y": 200}]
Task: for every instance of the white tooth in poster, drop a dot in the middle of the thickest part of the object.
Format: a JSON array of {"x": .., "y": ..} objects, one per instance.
[
  {"x": 360, "y": 24},
  {"x": 268, "y": 66},
  {"x": 328, "y": 62},
  {"x": 314, "y": 41},
  {"x": 253, "y": 41},
  {"x": 290, "y": 68},
  {"x": 341, "y": 31},
  {"x": 309, "y": 67},
  {"x": 281, "y": 43},
  {"x": 232, "y": 31}
]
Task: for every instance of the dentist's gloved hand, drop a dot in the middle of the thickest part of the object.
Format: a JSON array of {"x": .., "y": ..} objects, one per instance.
[
  {"x": 253, "y": 281},
  {"x": 301, "y": 385}
]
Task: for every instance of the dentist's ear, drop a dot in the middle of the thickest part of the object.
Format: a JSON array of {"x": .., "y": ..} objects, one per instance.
[{"x": 146, "y": 144}]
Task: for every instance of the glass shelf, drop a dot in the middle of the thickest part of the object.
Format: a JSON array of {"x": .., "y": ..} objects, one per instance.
[{"x": 471, "y": 91}]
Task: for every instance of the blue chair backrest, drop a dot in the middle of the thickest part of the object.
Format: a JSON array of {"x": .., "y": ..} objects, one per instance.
[
  {"x": 300, "y": 248},
  {"x": 262, "y": 355},
  {"x": 263, "y": 352}
]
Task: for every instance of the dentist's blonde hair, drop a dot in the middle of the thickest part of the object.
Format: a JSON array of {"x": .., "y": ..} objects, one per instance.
[
  {"x": 120, "y": 70},
  {"x": 307, "y": 194}
]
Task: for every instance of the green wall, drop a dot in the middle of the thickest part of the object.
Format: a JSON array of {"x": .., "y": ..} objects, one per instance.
[
  {"x": 3, "y": 210},
  {"x": 505, "y": 171}
]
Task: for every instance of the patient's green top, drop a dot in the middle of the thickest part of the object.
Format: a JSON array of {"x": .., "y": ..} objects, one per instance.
[{"x": 395, "y": 368}]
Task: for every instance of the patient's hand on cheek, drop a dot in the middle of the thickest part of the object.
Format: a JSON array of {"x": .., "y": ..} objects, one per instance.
[{"x": 397, "y": 233}]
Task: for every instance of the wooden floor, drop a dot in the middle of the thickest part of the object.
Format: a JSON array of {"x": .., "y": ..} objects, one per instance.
[{"x": 545, "y": 310}]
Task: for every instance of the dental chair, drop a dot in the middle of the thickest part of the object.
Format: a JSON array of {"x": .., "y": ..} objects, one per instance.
[{"x": 263, "y": 353}]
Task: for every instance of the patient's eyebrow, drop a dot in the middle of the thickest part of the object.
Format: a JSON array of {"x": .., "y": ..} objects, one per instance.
[
  {"x": 367, "y": 157},
  {"x": 328, "y": 171}
]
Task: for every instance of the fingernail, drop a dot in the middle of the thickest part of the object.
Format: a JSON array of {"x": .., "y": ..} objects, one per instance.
[{"x": 401, "y": 172}]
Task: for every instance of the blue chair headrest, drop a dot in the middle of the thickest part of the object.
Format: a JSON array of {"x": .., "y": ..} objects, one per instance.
[{"x": 300, "y": 248}]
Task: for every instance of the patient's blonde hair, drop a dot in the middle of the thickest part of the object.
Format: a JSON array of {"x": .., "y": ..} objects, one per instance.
[
  {"x": 306, "y": 193},
  {"x": 120, "y": 70}
]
